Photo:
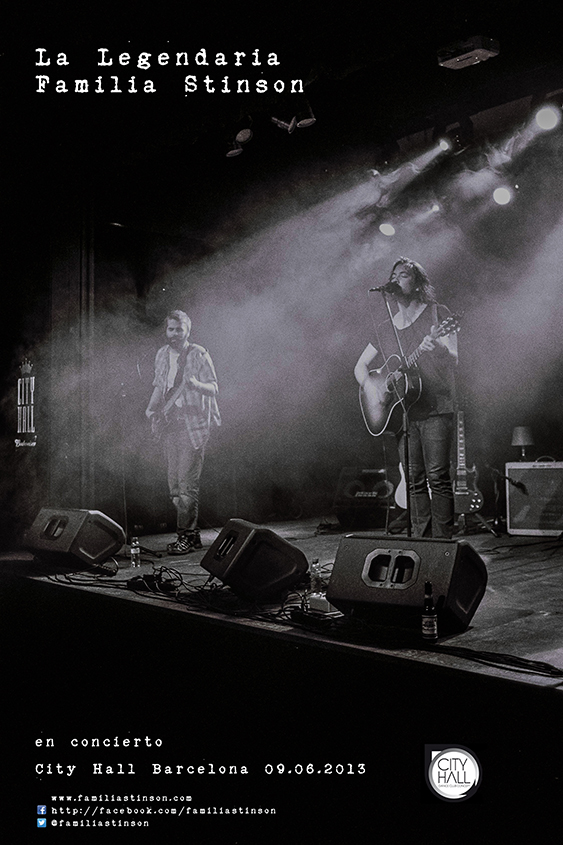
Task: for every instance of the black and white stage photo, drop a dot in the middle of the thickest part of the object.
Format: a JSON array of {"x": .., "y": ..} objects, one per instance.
[{"x": 281, "y": 423}]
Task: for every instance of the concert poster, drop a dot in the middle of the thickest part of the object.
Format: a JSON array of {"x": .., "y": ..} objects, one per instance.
[{"x": 262, "y": 168}]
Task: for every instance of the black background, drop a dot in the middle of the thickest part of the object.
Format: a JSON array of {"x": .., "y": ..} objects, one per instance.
[{"x": 208, "y": 694}]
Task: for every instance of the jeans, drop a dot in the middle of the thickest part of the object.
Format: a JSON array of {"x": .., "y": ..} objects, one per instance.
[
  {"x": 184, "y": 470},
  {"x": 430, "y": 445}
]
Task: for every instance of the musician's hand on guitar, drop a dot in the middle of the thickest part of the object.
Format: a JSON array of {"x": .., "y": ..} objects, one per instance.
[{"x": 427, "y": 344}]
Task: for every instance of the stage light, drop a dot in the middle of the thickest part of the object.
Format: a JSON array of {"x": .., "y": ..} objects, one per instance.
[
  {"x": 305, "y": 116},
  {"x": 289, "y": 127},
  {"x": 548, "y": 117},
  {"x": 235, "y": 149},
  {"x": 453, "y": 137},
  {"x": 463, "y": 54},
  {"x": 502, "y": 196},
  {"x": 244, "y": 136},
  {"x": 387, "y": 229}
]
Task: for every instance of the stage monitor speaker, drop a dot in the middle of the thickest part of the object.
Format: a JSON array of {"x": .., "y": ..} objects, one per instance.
[
  {"x": 381, "y": 580},
  {"x": 534, "y": 498},
  {"x": 362, "y": 497},
  {"x": 254, "y": 562},
  {"x": 69, "y": 535}
]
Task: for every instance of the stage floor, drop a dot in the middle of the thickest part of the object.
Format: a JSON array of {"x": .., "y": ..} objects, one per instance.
[
  {"x": 516, "y": 628},
  {"x": 219, "y": 681}
]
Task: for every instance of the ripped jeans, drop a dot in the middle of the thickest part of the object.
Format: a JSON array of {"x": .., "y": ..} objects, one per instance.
[{"x": 184, "y": 464}]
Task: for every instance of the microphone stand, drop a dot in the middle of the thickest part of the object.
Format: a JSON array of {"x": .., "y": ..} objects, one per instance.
[
  {"x": 384, "y": 290},
  {"x": 497, "y": 476},
  {"x": 128, "y": 536}
]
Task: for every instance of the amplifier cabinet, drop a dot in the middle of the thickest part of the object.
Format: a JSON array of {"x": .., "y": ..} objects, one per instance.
[
  {"x": 534, "y": 498},
  {"x": 362, "y": 498}
]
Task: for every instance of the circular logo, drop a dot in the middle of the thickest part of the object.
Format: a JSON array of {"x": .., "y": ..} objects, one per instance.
[{"x": 454, "y": 773}]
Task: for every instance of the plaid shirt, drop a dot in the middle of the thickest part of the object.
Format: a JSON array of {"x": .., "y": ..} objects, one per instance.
[{"x": 192, "y": 408}]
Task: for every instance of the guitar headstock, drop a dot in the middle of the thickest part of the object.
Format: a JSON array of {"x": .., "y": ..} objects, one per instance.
[{"x": 448, "y": 326}]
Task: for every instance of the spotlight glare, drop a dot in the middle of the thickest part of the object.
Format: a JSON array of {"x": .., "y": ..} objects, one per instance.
[
  {"x": 387, "y": 229},
  {"x": 502, "y": 196},
  {"x": 444, "y": 144},
  {"x": 548, "y": 117}
]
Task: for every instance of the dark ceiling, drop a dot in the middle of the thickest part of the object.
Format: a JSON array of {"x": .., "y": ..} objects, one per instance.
[{"x": 370, "y": 73}]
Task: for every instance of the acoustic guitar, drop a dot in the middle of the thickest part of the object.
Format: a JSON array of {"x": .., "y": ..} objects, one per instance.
[{"x": 387, "y": 388}]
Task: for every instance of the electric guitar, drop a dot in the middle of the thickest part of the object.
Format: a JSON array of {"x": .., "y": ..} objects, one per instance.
[
  {"x": 386, "y": 389},
  {"x": 401, "y": 489},
  {"x": 161, "y": 419},
  {"x": 467, "y": 498},
  {"x": 159, "y": 424}
]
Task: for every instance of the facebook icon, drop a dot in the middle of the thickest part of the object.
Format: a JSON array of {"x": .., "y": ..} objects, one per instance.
[{"x": 41, "y": 810}]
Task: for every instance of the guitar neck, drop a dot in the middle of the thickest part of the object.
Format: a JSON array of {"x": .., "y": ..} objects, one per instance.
[
  {"x": 461, "y": 457},
  {"x": 467, "y": 498},
  {"x": 414, "y": 356}
]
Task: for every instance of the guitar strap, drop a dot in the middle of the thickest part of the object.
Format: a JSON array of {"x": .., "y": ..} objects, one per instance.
[{"x": 172, "y": 400}]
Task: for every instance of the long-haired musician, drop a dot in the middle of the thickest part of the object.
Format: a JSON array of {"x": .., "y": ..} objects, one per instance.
[{"x": 416, "y": 318}]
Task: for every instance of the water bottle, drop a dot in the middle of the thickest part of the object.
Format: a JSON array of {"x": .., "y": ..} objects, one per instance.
[
  {"x": 135, "y": 552},
  {"x": 316, "y": 578}
]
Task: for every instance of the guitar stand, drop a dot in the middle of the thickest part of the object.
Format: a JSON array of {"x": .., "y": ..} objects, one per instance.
[
  {"x": 463, "y": 527},
  {"x": 497, "y": 476},
  {"x": 128, "y": 536}
]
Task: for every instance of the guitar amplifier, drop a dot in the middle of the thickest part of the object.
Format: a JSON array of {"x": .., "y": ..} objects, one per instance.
[
  {"x": 362, "y": 497},
  {"x": 534, "y": 498}
]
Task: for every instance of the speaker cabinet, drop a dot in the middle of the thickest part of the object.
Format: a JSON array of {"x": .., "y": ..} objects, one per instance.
[
  {"x": 254, "y": 562},
  {"x": 381, "y": 580},
  {"x": 68, "y": 535},
  {"x": 362, "y": 497},
  {"x": 534, "y": 498}
]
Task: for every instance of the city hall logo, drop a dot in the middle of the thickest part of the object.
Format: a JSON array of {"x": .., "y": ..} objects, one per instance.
[{"x": 452, "y": 772}]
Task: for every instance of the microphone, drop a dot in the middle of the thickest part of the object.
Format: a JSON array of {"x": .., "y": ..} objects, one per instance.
[{"x": 390, "y": 287}]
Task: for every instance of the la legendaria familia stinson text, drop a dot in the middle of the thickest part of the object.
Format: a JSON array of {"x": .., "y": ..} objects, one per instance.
[{"x": 56, "y": 68}]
